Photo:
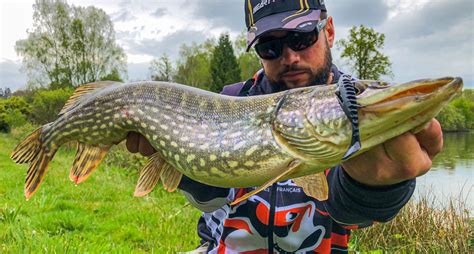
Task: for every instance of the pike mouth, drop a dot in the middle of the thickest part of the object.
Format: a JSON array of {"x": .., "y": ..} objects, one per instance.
[{"x": 399, "y": 96}]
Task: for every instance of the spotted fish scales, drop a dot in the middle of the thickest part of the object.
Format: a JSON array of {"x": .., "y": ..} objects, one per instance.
[{"x": 229, "y": 141}]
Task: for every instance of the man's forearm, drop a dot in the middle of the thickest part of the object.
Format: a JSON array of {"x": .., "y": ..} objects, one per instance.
[
  {"x": 204, "y": 197},
  {"x": 353, "y": 203}
]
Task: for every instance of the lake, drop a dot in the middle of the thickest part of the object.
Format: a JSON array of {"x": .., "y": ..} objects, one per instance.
[{"x": 452, "y": 173}]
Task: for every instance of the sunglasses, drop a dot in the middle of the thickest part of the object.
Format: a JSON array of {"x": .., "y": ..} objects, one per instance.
[{"x": 272, "y": 48}]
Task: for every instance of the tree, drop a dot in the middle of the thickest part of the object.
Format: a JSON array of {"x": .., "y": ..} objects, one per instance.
[
  {"x": 224, "y": 67},
  {"x": 69, "y": 46},
  {"x": 362, "y": 50},
  {"x": 162, "y": 69},
  {"x": 249, "y": 62},
  {"x": 7, "y": 93},
  {"x": 114, "y": 75},
  {"x": 193, "y": 65}
]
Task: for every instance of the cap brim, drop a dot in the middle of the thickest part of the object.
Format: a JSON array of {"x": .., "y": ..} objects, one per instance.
[{"x": 304, "y": 22}]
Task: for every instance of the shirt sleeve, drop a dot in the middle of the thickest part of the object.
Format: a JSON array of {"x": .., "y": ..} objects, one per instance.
[
  {"x": 355, "y": 204},
  {"x": 205, "y": 197}
]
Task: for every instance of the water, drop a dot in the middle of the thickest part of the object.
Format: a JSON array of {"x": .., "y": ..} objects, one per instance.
[{"x": 452, "y": 173}]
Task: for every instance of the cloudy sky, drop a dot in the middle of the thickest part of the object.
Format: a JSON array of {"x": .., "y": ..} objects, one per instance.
[{"x": 424, "y": 38}]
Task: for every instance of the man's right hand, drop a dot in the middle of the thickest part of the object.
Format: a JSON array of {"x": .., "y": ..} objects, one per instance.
[{"x": 138, "y": 143}]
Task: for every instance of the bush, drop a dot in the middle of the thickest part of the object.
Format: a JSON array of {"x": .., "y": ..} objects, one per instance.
[
  {"x": 459, "y": 114},
  {"x": 451, "y": 118},
  {"x": 47, "y": 104},
  {"x": 13, "y": 112}
]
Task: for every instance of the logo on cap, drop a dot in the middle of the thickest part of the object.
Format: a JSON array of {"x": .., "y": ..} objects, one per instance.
[{"x": 305, "y": 24}]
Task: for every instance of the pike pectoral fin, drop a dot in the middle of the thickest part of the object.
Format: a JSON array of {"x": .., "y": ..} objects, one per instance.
[
  {"x": 155, "y": 169},
  {"x": 314, "y": 185},
  {"x": 87, "y": 159},
  {"x": 291, "y": 168}
]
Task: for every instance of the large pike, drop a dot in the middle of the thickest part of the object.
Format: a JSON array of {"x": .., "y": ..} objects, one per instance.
[{"x": 233, "y": 141}]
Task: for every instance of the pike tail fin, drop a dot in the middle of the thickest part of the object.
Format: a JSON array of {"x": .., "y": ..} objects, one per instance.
[{"x": 32, "y": 150}]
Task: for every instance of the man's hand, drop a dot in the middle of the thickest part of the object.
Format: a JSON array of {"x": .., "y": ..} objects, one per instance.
[
  {"x": 138, "y": 143},
  {"x": 401, "y": 158}
]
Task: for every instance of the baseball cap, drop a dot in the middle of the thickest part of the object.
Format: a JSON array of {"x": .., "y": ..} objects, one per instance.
[{"x": 263, "y": 16}]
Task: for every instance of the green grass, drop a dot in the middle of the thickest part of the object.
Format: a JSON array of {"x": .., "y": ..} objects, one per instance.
[{"x": 99, "y": 215}]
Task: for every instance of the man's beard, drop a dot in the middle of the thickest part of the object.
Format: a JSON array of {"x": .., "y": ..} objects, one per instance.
[
  {"x": 319, "y": 77},
  {"x": 323, "y": 73}
]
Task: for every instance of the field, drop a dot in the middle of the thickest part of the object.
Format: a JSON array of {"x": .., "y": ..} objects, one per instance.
[{"x": 98, "y": 215}]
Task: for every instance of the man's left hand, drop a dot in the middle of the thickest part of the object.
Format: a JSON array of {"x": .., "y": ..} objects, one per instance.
[{"x": 398, "y": 159}]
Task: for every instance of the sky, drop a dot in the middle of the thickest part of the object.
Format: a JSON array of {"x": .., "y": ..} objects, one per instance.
[{"x": 423, "y": 38}]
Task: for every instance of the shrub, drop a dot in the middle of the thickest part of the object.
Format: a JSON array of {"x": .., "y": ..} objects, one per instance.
[
  {"x": 13, "y": 112},
  {"x": 47, "y": 104}
]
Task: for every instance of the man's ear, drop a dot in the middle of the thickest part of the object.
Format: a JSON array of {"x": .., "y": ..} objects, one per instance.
[{"x": 330, "y": 31}]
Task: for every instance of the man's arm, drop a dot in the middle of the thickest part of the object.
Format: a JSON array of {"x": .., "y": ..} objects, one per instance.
[{"x": 375, "y": 185}]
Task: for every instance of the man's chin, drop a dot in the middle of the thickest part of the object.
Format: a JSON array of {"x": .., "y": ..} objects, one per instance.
[{"x": 295, "y": 83}]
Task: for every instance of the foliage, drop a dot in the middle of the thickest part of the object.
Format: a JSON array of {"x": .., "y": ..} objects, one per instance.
[
  {"x": 362, "y": 50},
  {"x": 69, "y": 45},
  {"x": 13, "y": 112},
  {"x": 459, "y": 114},
  {"x": 46, "y": 104},
  {"x": 224, "y": 67},
  {"x": 193, "y": 65},
  {"x": 113, "y": 76},
  {"x": 162, "y": 69},
  {"x": 249, "y": 62}
]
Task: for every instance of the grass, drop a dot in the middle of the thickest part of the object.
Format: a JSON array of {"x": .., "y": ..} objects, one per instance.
[
  {"x": 419, "y": 228},
  {"x": 100, "y": 215}
]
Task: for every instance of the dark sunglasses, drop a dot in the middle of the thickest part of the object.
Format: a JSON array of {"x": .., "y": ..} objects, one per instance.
[{"x": 272, "y": 48}]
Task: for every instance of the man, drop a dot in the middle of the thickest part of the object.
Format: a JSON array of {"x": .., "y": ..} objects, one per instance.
[{"x": 293, "y": 40}]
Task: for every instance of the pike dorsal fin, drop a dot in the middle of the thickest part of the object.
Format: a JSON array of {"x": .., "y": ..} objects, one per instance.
[
  {"x": 87, "y": 159},
  {"x": 79, "y": 93},
  {"x": 291, "y": 168},
  {"x": 314, "y": 185},
  {"x": 156, "y": 169}
]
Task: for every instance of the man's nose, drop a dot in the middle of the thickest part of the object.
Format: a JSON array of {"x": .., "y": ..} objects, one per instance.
[{"x": 289, "y": 56}]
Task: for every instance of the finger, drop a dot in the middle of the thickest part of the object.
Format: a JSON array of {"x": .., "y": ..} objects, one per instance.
[
  {"x": 431, "y": 138},
  {"x": 413, "y": 159},
  {"x": 145, "y": 147},
  {"x": 132, "y": 142}
]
